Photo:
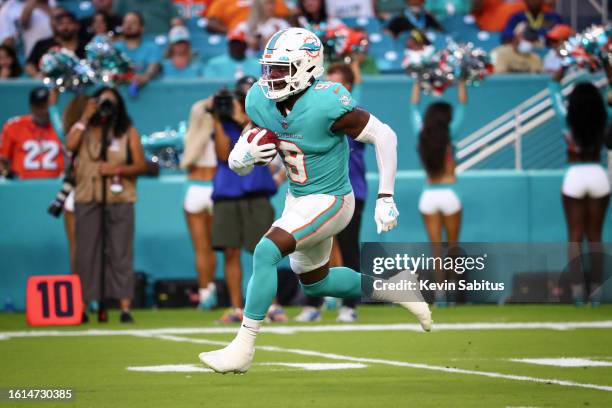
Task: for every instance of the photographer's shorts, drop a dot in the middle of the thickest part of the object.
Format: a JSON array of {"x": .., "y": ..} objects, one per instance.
[{"x": 240, "y": 223}]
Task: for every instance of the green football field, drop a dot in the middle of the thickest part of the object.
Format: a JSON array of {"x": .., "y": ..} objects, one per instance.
[{"x": 477, "y": 356}]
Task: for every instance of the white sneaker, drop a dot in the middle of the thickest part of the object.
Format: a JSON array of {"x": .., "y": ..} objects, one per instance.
[
  {"x": 421, "y": 311},
  {"x": 235, "y": 358},
  {"x": 309, "y": 314},
  {"x": 346, "y": 315}
]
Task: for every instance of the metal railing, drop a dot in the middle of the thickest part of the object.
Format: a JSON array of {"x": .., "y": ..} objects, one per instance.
[
  {"x": 599, "y": 6},
  {"x": 511, "y": 128}
]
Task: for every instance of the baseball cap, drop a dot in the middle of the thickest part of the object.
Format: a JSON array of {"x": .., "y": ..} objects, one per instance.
[
  {"x": 560, "y": 32},
  {"x": 237, "y": 34},
  {"x": 39, "y": 96},
  {"x": 178, "y": 34},
  {"x": 244, "y": 84}
]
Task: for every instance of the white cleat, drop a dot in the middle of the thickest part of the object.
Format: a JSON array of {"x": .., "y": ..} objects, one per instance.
[
  {"x": 421, "y": 311},
  {"x": 235, "y": 358}
]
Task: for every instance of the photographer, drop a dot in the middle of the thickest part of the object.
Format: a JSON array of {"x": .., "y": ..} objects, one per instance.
[
  {"x": 110, "y": 156},
  {"x": 242, "y": 208}
]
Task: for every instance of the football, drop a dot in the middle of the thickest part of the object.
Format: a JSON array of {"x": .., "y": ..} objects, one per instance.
[{"x": 268, "y": 137}]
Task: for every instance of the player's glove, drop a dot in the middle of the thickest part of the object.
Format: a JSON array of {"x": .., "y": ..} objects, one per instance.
[
  {"x": 385, "y": 214},
  {"x": 244, "y": 154}
]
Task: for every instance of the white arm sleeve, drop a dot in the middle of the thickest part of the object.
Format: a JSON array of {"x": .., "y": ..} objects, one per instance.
[{"x": 385, "y": 143}]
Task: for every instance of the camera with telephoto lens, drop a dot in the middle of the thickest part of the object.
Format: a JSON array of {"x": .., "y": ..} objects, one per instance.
[
  {"x": 223, "y": 104},
  {"x": 57, "y": 205}
]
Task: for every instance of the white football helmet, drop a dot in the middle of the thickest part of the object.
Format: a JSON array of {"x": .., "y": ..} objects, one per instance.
[{"x": 291, "y": 61}]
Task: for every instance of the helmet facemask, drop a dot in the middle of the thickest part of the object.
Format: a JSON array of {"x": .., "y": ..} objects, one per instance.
[{"x": 280, "y": 79}]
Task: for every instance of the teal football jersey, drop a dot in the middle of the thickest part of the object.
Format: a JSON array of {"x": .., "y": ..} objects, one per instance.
[{"x": 316, "y": 159}]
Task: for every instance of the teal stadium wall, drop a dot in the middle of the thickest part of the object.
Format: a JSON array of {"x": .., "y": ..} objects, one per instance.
[{"x": 499, "y": 205}]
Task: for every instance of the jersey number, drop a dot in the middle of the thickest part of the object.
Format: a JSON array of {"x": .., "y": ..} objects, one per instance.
[
  {"x": 294, "y": 161},
  {"x": 33, "y": 149}
]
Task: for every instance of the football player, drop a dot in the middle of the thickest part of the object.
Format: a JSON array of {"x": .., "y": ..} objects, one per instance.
[{"x": 310, "y": 118}]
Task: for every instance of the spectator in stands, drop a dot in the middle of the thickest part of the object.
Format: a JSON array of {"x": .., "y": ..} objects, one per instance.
[
  {"x": 100, "y": 25},
  {"x": 350, "y": 8},
  {"x": 345, "y": 249},
  {"x": 313, "y": 13},
  {"x": 28, "y": 21},
  {"x": 586, "y": 188},
  {"x": 536, "y": 19},
  {"x": 235, "y": 64},
  {"x": 242, "y": 208},
  {"x": 180, "y": 62},
  {"x": 418, "y": 45},
  {"x": 439, "y": 203},
  {"x": 102, "y": 16},
  {"x": 200, "y": 161},
  {"x": 160, "y": 15},
  {"x": 29, "y": 145},
  {"x": 556, "y": 38},
  {"x": 65, "y": 35},
  {"x": 493, "y": 15},
  {"x": 106, "y": 187},
  {"x": 518, "y": 56},
  {"x": 9, "y": 63},
  {"x": 144, "y": 55},
  {"x": 414, "y": 16},
  {"x": 263, "y": 23},
  {"x": 225, "y": 16}
]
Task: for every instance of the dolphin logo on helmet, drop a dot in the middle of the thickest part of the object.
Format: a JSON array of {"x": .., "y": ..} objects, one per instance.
[{"x": 292, "y": 60}]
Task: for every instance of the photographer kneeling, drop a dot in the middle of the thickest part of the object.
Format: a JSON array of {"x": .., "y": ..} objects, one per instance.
[{"x": 109, "y": 157}]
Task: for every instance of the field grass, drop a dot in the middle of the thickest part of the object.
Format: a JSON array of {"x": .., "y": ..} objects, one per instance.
[{"x": 459, "y": 365}]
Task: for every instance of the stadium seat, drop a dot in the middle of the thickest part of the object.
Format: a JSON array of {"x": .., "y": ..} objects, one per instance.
[
  {"x": 79, "y": 8},
  {"x": 208, "y": 46},
  {"x": 195, "y": 24},
  {"x": 371, "y": 25}
]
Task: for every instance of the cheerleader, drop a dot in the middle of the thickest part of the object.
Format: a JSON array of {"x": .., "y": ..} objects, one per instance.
[
  {"x": 439, "y": 203},
  {"x": 200, "y": 161},
  {"x": 585, "y": 190}
]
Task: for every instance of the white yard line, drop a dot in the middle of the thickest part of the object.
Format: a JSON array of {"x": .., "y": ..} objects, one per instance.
[
  {"x": 198, "y": 368},
  {"x": 394, "y": 363},
  {"x": 601, "y": 324},
  {"x": 564, "y": 362}
]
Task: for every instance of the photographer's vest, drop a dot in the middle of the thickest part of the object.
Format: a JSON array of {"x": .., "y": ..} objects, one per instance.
[{"x": 88, "y": 178}]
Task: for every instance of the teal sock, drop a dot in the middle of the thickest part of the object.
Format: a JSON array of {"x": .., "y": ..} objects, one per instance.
[
  {"x": 340, "y": 282},
  {"x": 262, "y": 285}
]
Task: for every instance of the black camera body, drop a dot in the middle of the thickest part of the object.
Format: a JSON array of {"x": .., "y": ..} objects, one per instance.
[
  {"x": 223, "y": 104},
  {"x": 105, "y": 113}
]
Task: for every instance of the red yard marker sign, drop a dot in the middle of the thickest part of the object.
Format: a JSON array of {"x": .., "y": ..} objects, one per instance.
[{"x": 54, "y": 300}]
